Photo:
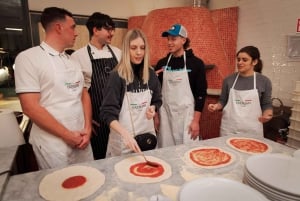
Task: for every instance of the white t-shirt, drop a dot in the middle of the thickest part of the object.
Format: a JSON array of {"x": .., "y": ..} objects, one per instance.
[
  {"x": 34, "y": 70},
  {"x": 82, "y": 56}
]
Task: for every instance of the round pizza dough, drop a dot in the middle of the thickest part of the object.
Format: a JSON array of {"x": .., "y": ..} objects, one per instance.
[
  {"x": 258, "y": 142},
  {"x": 190, "y": 161},
  {"x": 122, "y": 169},
  {"x": 50, "y": 187}
]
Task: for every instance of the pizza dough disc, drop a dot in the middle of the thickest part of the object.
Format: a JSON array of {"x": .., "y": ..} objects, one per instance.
[
  {"x": 122, "y": 169},
  {"x": 268, "y": 149},
  {"x": 190, "y": 161},
  {"x": 50, "y": 187}
]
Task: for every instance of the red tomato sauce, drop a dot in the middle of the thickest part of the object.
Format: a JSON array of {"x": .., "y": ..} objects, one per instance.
[
  {"x": 144, "y": 170},
  {"x": 209, "y": 157},
  {"x": 74, "y": 182},
  {"x": 249, "y": 145}
]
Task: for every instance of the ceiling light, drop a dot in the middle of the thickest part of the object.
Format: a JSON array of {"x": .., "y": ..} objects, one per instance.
[{"x": 13, "y": 29}]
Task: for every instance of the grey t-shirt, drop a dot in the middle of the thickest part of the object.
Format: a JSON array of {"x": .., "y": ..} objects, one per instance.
[{"x": 263, "y": 85}]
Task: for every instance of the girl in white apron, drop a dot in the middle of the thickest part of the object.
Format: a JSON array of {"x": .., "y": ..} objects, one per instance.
[
  {"x": 240, "y": 115},
  {"x": 246, "y": 107},
  {"x": 131, "y": 96}
]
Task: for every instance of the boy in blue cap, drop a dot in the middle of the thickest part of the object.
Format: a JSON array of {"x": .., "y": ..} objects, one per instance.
[{"x": 184, "y": 86}]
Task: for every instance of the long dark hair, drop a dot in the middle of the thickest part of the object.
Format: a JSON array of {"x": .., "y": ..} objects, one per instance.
[{"x": 253, "y": 52}]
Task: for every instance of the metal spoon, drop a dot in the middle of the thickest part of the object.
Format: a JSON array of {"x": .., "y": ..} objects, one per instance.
[{"x": 150, "y": 163}]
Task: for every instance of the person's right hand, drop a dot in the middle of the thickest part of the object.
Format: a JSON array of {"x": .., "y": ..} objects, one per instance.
[
  {"x": 150, "y": 112},
  {"x": 213, "y": 107},
  {"x": 73, "y": 138},
  {"x": 131, "y": 143},
  {"x": 159, "y": 71}
]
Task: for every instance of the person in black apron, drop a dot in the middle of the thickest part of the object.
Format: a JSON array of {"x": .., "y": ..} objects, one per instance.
[{"x": 101, "y": 59}]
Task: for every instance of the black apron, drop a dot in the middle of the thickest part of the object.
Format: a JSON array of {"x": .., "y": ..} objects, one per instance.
[{"x": 100, "y": 72}]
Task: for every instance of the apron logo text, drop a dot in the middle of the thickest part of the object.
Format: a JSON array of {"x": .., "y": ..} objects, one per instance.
[
  {"x": 138, "y": 107},
  {"x": 243, "y": 103},
  {"x": 72, "y": 85}
]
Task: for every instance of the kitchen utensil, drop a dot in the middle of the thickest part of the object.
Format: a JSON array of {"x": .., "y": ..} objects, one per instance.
[{"x": 150, "y": 163}]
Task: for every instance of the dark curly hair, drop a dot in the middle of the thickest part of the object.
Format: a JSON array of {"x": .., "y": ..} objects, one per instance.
[{"x": 253, "y": 52}]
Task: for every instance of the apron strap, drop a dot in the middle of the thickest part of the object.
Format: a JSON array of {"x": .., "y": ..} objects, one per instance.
[
  {"x": 89, "y": 52},
  {"x": 235, "y": 80},
  {"x": 109, "y": 49},
  {"x": 254, "y": 80},
  {"x": 184, "y": 59},
  {"x": 112, "y": 53}
]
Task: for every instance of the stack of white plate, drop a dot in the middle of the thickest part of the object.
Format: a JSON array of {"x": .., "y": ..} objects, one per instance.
[
  {"x": 277, "y": 176},
  {"x": 218, "y": 189},
  {"x": 294, "y": 128}
]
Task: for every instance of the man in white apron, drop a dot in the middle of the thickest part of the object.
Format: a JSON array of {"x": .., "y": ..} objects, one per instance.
[
  {"x": 50, "y": 87},
  {"x": 183, "y": 90}
]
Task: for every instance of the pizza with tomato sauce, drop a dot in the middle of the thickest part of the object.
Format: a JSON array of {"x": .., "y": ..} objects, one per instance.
[
  {"x": 248, "y": 145},
  {"x": 136, "y": 170},
  {"x": 71, "y": 183},
  {"x": 209, "y": 157}
]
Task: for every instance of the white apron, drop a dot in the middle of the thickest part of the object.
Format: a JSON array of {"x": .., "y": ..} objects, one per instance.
[
  {"x": 134, "y": 104},
  {"x": 65, "y": 105},
  {"x": 241, "y": 113},
  {"x": 177, "y": 110}
]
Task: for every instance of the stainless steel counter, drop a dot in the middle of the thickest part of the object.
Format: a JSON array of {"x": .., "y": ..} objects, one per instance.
[{"x": 25, "y": 186}]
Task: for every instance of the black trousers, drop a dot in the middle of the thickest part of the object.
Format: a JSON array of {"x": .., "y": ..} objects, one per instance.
[{"x": 99, "y": 140}]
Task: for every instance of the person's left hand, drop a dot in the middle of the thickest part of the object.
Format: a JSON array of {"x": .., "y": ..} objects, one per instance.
[
  {"x": 194, "y": 130},
  {"x": 265, "y": 118},
  {"x": 150, "y": 112},
  {"x": 85, "y": 139}
]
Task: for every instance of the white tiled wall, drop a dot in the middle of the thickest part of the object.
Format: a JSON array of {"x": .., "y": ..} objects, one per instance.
[{"x": 266, "y": 24}]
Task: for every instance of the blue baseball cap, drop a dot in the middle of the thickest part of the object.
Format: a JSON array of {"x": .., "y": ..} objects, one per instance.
[{"x": 176, "y": 30}]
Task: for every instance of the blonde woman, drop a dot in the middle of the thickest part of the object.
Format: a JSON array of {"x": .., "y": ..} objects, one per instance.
[{"x": 132, "y": 96}]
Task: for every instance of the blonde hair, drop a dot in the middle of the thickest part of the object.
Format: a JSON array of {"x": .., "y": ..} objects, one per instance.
[{"x": 124, "y": 68}]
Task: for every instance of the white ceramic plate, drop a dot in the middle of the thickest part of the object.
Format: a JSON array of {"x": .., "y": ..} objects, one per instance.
[
  {"x": 296, "y": 154},
  {"x": 278, "y": 171},
  {"x": 218, "y": 189},
  {"x": 269, "y": 192}
]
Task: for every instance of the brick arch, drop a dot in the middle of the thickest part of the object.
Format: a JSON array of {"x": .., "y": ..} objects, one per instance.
[{"x": 212, "y": 41}]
